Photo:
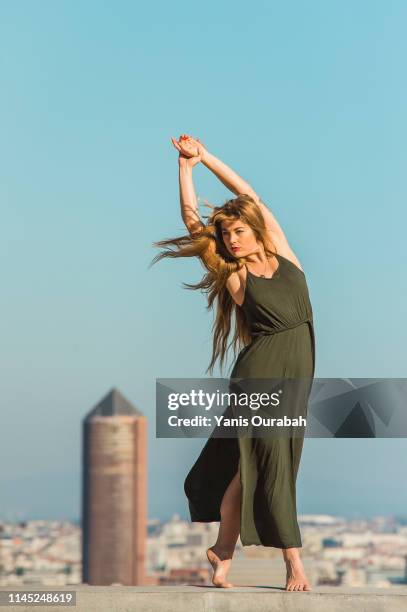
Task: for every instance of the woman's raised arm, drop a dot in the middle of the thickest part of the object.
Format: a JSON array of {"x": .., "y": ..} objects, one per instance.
[
  {"x": 189, "y": 205},
  {"x": 236, "y": 184},
  {"x": 227, "y": 176},
  {"x": 192, "y": 146},
  {"x": 188, "y": 201}
]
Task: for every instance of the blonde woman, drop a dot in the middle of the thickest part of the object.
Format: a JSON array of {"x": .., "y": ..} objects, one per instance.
[{"x": 261, "y": 293}]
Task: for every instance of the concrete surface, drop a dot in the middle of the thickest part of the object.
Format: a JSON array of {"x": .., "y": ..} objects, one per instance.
[{"x": 211, "y": 599}]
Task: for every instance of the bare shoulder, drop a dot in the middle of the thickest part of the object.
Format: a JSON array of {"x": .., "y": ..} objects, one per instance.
[
  {"x": 236, "y": 285},
  {"x": 276, "y": 234},
  {"x": 283, "y": 248}
]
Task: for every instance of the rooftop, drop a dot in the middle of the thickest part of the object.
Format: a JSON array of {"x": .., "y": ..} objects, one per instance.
[{"x": 206, "y": 598}]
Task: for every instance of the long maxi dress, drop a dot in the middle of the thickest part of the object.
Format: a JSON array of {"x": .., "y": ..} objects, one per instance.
[{"x": 280, "y": 318}]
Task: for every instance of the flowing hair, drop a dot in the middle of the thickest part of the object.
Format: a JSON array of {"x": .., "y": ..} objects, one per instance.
[{"x": 208, "y": 246}]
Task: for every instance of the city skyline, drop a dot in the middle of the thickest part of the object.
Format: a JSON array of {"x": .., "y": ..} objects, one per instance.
[{"x": 337, "y": 553}]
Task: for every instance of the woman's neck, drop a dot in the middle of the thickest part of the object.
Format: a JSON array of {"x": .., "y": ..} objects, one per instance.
[{"x": 257, "y": 258}]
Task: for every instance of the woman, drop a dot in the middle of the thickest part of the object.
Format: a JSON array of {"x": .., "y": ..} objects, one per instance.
[{"x": 247, "y": 484}]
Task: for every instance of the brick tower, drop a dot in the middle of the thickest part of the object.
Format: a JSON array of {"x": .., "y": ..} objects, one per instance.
[{"x": 114, "y": 500}]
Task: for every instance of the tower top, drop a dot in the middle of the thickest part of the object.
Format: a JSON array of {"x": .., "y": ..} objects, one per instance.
[{"x": 113, "y": 403}]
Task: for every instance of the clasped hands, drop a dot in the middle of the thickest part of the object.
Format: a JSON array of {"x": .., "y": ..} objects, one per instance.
[{"x": 191, "y": 150}]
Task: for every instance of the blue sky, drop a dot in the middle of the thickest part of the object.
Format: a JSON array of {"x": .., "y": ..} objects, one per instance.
[{"x": 306, "y": 101}]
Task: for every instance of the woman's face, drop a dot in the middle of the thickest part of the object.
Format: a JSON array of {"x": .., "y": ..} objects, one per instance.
[{"x": 239, "y": 238}]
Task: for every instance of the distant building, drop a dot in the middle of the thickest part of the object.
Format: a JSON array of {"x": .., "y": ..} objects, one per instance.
[
  {"x": 114, "y": 500},
  {"x": 331, "y": 543}
]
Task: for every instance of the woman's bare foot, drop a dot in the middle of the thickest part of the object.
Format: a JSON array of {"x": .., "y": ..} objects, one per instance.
[
  {"x": 296, "y": 580},
  {"x": 220, "y": 561}
]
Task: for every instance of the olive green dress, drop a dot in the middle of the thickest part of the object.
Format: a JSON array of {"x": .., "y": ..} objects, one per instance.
[{"x": 279, "y": 314}]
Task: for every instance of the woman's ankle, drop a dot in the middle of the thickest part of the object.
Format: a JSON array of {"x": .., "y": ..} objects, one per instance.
[{"x": 222, "y": 551}]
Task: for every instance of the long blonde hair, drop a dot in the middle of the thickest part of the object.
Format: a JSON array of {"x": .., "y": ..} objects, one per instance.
[{"x": 207, "y": 244}]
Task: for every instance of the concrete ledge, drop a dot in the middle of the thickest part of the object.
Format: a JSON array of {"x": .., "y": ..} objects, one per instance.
[{"x": 211, "y": 599}]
